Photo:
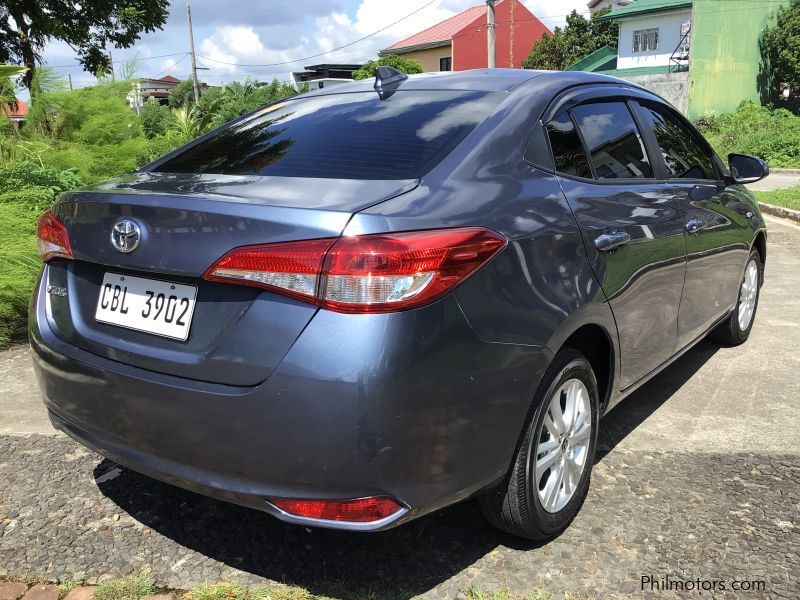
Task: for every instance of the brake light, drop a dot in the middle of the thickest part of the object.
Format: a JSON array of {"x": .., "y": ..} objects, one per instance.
[
  {"x": 363, "y": 510},
  {"x": 52, "y": 238},
  {"x": 364, "y": 274}
]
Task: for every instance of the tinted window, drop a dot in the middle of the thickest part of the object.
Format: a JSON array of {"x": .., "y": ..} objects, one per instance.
[
  {"x": 342, "y": 136},
  {"x": 683, "y": 153},
  {"x": 568, "y": 152},
  {"x": 613, "y": 141}
]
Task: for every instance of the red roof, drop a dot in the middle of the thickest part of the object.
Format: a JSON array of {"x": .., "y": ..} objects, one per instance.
[
  {"x": 19, "y": 113},
  {"x": 170, "y": 79},
  {"x": 442, "y": 32}
]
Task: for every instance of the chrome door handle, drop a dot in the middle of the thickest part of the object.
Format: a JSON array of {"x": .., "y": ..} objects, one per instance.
[
  {"x": 608, "y": 242},
  {"x": 695, "y": 225}
]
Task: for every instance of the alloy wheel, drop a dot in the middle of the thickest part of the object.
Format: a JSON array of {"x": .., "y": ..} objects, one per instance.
[
  {"x": 563, "y": 445},
  {"x": 748, "y": 295}
]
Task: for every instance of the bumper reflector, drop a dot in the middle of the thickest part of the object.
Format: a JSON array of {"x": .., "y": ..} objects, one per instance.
[{"x": 362, "y": 510}]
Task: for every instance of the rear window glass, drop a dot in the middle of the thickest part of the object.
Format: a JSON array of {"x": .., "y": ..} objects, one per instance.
[
  {"x": 341, "y": 136},
  {"x": 568, "y": 153},
  {"x": 613, "y": 141}
]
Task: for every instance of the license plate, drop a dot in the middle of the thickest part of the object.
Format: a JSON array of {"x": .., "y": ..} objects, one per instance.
[{"x": 158, "y": 307}]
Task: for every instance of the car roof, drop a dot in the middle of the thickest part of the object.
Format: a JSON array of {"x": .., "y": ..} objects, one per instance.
[{"x": 478, "y": 80}]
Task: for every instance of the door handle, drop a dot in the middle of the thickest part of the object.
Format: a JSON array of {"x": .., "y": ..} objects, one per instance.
[
  {"x": 695, "y": 225},
  {"x": 608, "y": 242}
]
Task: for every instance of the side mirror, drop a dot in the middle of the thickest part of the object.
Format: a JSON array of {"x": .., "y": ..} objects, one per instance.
[{"x": 747, "y": 169}]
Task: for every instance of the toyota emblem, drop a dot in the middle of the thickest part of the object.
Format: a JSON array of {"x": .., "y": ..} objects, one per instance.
[{"x": 125, "y": 235}]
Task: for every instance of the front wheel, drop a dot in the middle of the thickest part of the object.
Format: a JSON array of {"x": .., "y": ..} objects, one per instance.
[
  {"x": 736, "y": 329},
  {"x": 549, "y": 478}
]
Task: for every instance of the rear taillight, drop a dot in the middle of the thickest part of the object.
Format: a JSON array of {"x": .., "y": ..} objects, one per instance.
[
  {"x": 362, "y": 510},
  {"x": 52, "y": 238},
  {"x": 363, "y": 274}
]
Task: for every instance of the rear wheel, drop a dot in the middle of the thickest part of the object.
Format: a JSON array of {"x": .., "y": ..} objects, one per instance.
[
  {"x": 736, "y": 329},
  {"x": 549, "y": 478}
]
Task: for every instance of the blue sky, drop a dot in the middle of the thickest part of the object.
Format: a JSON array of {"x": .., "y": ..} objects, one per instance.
[{"x": 248, "y": 32}]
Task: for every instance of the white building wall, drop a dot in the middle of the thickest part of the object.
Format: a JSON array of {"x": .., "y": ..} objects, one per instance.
[{"x": 669, "y": 36}]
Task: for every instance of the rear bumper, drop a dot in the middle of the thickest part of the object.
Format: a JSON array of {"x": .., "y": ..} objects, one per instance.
[{"x": 411, "y": 405}]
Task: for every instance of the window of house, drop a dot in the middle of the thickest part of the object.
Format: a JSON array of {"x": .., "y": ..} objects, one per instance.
[
  {"x": 612, "y": 140},
  {"x": 684, "y": 154},
  {"x": 568, "y": 153},
  {"x": 445, "y": 63},
  {"x": 645, "y": 40}
]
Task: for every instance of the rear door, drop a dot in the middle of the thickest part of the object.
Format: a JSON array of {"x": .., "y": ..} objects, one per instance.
[
  {"x": 632, "y": 228},
  {"x": 718, "y": 230}
]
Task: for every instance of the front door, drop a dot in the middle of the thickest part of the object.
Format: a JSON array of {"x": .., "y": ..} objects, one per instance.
[
  {"x": 717, "y": 225},
  {"x": 632, "y": 227}
]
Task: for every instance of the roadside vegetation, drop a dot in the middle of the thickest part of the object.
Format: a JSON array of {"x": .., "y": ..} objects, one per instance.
[
  {"x": 788, "y": 198},
  {"x": 773, "y": 134},
  {"x": 73, "y": 138},
  {"x": 136, "y": 587}
]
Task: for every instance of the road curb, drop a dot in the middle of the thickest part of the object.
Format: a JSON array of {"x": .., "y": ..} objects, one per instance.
[{"x": 779, "y": 211}]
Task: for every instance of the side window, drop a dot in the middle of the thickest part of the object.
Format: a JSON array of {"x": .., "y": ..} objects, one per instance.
[
  {"x": 568, "y": 153},
  {"x": 685, "y": 155},
  {"x": 613, "y": 141}
]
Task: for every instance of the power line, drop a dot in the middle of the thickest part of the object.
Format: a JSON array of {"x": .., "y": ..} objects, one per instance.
[{"x": 288, "y": 62}]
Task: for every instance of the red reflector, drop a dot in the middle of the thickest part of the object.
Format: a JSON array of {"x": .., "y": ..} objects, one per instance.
[
  {"x": 52, "y": 238},
  {"x": 363, "y": 510},
  {"x": 364, "y": 274}
]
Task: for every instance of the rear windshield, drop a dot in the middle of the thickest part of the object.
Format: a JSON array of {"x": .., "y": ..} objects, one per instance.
[{"x": 342, "y": 136}]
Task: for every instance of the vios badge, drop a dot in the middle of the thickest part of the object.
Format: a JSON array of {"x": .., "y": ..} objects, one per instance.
[{"x": 125, "y": 235}]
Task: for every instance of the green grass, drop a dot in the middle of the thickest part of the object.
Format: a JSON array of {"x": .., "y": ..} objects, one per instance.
[
  {"x": 132, "y": 587},
  {"x": 20, "y": 264},
  {"x": 788, "y": 198}
]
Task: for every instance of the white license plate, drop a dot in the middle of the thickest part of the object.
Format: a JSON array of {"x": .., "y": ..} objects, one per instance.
[{"x": 158, "y": 307}]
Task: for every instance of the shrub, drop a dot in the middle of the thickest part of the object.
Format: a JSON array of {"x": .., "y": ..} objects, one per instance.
[
  {"x": 20, "y": 260},
  {"x": 752, "y": 129}
]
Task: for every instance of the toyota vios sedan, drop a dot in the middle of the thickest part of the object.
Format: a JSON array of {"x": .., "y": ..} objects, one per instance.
[{"x": 360, "y": 305}]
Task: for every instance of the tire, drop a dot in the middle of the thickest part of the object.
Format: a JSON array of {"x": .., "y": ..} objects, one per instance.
[
  {"x": 516, "y": 505},
  {"x": 735, "y": 330}
]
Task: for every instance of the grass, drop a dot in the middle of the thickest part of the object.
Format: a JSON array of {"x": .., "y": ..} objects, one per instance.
[
  {"x": 20, "y": 264},
  {"x": 788, "y": 198},
  {"x": 132, "y": 587}
]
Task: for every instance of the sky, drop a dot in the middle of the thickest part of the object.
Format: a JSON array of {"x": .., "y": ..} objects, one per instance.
[{"x": 231, "y": 33}]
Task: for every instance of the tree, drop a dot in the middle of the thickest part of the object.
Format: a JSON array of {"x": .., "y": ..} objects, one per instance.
[
  {"x": 390, "y": 60},
  {"x": 579, "y": 38},
  {"x": 182, "y": 94},
  {"x": 154, "y": 118},
  {"x": 87, "y": 26},
  {"x": 780, "y": 48}
]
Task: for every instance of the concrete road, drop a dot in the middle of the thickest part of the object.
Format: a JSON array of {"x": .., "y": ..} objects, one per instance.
[{"x": 777, "y": 181}]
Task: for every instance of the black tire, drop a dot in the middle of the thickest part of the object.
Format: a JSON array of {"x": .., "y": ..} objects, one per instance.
[
  {"x": 730, "y": 332},
  {"x": 514, "y": 505}
]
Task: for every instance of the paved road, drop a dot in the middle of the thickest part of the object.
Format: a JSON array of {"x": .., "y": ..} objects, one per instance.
[
  {"x": 777, "y": 181},
  {"x": 698, "y": 477}
]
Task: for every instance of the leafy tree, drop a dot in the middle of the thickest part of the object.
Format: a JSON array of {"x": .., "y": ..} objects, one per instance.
[
  {"x": 182, "y": 94},
  {"x": 390, "y": 60},
  {"x": 87, "y": 26},
  {"x": 579, "y": 38},
  {"x": 780, "y": 47}
]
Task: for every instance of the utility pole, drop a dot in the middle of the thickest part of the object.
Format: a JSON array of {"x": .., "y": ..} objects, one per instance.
[
  {"x": 195, "y": 85},
  {"x": 490, "y": 33},
  {"x": 69, "y": 75},
  {"x": 111, "y": 62}
]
